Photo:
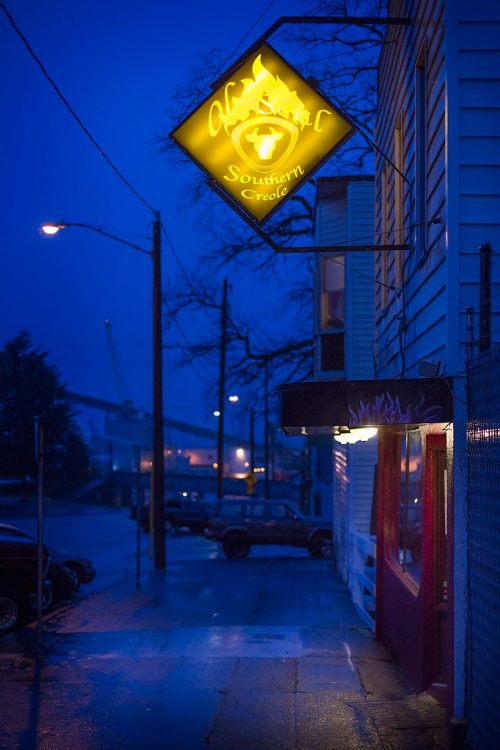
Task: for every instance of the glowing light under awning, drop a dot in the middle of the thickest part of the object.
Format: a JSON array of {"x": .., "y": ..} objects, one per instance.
[{"x": 355, "y": 435}]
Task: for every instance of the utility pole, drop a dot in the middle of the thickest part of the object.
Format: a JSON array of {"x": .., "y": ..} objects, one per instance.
[
  {"x": 39, "y": 451},
  {"x": 252, "y": 440},
  {"x": 266, "y": 430},
  {"x": 158, "y": 469},
  {"x": 222, "y": 394}
]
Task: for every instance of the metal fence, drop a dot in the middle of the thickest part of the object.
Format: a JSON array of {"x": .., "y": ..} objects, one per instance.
[{"x": 483, "y": 522}]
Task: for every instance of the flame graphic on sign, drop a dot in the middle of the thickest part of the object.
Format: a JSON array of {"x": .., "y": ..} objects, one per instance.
[{"x": 264, "y": 121}]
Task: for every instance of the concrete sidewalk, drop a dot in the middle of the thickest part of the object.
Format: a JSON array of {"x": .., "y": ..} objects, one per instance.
[
  {"x": 115, "y": 673},
  {"x": 262, "y": 654}
]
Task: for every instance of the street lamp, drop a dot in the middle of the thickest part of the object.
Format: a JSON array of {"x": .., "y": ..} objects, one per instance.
[{"x": 158, "y": 469}]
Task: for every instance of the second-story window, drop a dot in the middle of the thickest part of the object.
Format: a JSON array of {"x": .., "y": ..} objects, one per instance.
[
  {"x": 332, "y": 314},
  {"x": 420, "y": 151},
  {"x": 332, "y": 293},
  {"x": 399, "y": 234},
  {"x": 384, "y": 237}
]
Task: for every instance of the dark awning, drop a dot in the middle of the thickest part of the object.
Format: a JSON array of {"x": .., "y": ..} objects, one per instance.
[{"x": 310, "y": 408}]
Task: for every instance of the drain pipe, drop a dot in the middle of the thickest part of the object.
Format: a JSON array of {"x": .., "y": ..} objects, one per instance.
[{"x": 485, "y": 297}]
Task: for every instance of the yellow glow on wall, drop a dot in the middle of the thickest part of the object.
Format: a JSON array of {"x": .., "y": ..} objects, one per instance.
[{"x": 262, "y": 132}]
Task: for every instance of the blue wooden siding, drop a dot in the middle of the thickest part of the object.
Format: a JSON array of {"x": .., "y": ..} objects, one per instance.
[
  {"x": 409, "y": 322},
  {"x": 475, "y": 128},
  {"x": 343, "y": 215}
]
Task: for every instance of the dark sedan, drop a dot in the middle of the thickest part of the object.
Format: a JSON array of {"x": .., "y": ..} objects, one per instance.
[{"x": 76, "y": 568}]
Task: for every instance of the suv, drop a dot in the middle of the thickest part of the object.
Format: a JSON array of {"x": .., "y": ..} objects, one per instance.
[
  {"x": 240, "y": 523},
  {"x": 18, "y": 579}
]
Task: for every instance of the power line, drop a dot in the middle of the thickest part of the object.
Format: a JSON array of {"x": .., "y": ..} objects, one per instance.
[
  {"x": 71, "y": 110},
  {"x": 183, "y": 270},
  {"x": 356, "y": 270},
  {"x": 186, "y": 339},
  {"x": 435, "y": 220},
  {"x": 220, "y": 68},
  {"x": 223, "y": 65}
]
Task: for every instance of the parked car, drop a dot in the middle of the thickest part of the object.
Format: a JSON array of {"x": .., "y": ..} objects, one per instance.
[
  {"x": 62, "y": 580},
  {"x": 238, "y": 524},
  {"x": 180, "y": 512},
  {"x": 18, "y": 579},
  {"x": 78, "y": 569}
]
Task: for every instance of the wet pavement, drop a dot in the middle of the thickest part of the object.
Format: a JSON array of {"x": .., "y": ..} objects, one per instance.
[{"x": 266, "y": 653}]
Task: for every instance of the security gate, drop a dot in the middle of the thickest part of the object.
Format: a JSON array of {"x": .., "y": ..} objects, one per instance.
[{"x": 483, "y": 523}]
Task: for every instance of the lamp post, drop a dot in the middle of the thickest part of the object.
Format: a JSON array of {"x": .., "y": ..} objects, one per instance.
[{"x": 158, "y": 469}]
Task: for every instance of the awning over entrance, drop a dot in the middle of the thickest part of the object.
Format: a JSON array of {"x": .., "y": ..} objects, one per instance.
[{"x": 319, "y": 407}]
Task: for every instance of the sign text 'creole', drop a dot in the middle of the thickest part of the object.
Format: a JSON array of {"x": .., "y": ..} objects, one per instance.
[{"x": 262, "y": 133}]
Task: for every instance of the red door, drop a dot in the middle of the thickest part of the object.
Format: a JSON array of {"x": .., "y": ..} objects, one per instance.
[{"x": 412, "y": 553}]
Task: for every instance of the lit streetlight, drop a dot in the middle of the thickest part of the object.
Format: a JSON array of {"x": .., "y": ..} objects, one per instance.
[{"x": 157, "y": 485}]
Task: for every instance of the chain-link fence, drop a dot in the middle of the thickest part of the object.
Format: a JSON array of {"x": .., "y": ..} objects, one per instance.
[{"x": 483, "y": 521}]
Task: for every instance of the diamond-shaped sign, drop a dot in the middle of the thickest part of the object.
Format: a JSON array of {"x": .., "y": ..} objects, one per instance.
[{"x": 262, "y": 133}]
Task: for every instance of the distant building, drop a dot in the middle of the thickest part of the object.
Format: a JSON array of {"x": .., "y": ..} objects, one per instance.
[{"x": 343, "y": 335}]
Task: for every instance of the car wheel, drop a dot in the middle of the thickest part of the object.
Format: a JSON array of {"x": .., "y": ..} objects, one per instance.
[
  {"x": 10, "y": 609},
  {"x": 319, "y": 546},
  {"x": 236, "y": 546},
  {"x": 47, "y": 599},
  {"x": 75, "y": 573}
]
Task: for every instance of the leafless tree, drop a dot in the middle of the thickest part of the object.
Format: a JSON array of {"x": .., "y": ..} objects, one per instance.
[{"x": 343, "y": 59}]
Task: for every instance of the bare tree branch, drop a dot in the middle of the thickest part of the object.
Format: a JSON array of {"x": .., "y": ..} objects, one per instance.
[{"x": 343, "y": 58}]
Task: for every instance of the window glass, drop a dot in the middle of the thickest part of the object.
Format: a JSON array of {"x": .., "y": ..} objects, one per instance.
[
  {"x": 258, "y": 510},
  {"x": 332, "y": 292},
  {"x": 279, "y": 511},
  {"x": 420, "y": 151},
  {"x": 411, "y": 505},
  {"x": 398, "y": 198},
  {"x": 384, "y": 226},
  {"x": 230, "y": 509}
]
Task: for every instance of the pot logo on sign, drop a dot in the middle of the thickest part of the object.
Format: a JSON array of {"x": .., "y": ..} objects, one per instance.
[{"x": 262, "y": 133}]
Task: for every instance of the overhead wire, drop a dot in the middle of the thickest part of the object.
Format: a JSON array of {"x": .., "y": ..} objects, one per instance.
[
  {"x": 71, "y": 110},
  {"x": 374, "y": 235},
  {"x": 202, "y": 376},
  {"x": 219, "y": 69},
  {"x": 101, "y": 151},
  {"x": 182, "y": 268},
  {"x": 234, "y": 51}
]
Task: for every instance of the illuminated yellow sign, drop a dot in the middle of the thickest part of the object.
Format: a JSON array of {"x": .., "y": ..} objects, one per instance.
[{"x": 262, "y": 133}]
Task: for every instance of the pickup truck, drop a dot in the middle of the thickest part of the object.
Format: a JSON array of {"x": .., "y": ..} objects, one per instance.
[{"x": 180, "y": 512}]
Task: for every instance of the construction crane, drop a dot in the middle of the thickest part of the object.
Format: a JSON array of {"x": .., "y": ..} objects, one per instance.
[{"x": 128, "y": 409}]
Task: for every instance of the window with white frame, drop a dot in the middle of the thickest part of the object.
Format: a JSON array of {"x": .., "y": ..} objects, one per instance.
[
  {"x": 420, "y": 151},
  {"x": 332, "y": 292},
  {"x": 399, "y": 234},
  {"x": 332, "y": 314},
  {"x": 383, "y": 227}
]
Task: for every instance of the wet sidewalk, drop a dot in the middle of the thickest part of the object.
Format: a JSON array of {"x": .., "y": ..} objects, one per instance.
[{"x": 262, "y": 654}]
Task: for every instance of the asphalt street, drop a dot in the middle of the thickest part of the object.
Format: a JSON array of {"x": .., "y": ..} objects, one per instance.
[{"x": 266, "y": 653}]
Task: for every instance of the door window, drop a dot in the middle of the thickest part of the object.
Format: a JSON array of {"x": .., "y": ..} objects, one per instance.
[{"x": 411, "y": 504}]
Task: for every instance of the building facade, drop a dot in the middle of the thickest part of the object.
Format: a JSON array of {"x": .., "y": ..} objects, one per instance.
[
  {"x": 437, "y": 197},
  {"x": 438, "y": 191},
  {"x": 343, "y": 349}
]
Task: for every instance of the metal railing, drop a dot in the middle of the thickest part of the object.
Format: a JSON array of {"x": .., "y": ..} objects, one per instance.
[{"x": 362, "y": 576}]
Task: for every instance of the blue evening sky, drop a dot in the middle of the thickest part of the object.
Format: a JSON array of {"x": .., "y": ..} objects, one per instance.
[{"x": 118, "y": 64}]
